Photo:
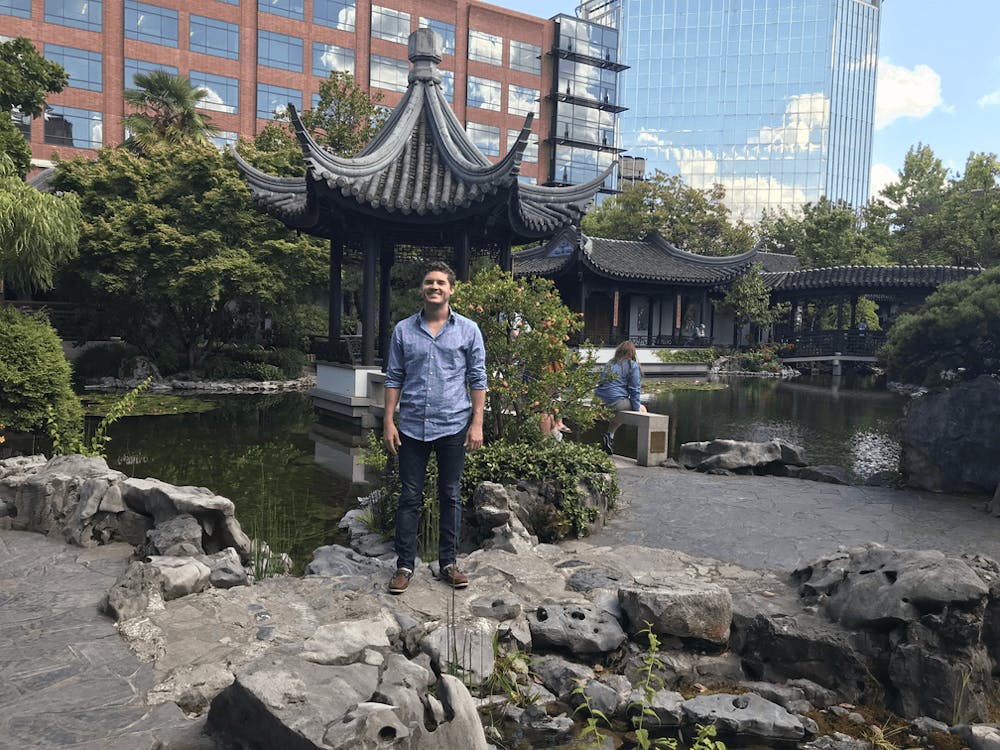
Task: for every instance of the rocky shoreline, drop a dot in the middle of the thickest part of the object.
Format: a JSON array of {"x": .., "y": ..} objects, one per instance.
[{"x": 330, "y": 660}]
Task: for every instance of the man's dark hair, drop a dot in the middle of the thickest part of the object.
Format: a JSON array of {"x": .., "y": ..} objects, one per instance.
[{"x": 441, "y": 267}]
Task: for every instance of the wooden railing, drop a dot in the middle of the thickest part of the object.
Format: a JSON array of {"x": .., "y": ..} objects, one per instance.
[{"x": 826, "y": 343}]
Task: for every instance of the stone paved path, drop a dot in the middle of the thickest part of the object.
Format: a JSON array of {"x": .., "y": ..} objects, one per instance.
[{"x": 777, "y": 523}]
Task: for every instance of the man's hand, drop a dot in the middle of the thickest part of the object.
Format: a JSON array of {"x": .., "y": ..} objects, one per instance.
[
  {"x": 391, "y": 436},
  {"x": 474, "y": 437}
]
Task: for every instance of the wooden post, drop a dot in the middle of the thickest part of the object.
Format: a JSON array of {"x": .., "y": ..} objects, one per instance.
[
  {"x": 368, "y": 299},
  {"x": 462, "y": 255},
  {"x": 387, "y": 258},
  {"x": 336, "y": 309}
]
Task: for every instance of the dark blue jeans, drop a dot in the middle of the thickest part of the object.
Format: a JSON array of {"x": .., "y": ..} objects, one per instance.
[{"x": 413, "y": 457}]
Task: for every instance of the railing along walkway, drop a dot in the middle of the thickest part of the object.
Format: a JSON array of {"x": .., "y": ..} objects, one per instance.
[{"x": 861, "y": 345}]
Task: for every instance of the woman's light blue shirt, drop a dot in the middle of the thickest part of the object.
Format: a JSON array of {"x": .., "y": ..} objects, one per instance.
[{"x": 620, "y": 380}]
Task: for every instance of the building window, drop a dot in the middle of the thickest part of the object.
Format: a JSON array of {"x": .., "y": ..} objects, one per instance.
[
  {"x": 388, "y": 73},
  {"x": 583, "y": 38},
  {"x": 83, "y": 66},
  {"x": 279, "y": 51},
  {"x": 530, "y": 151},
  {"x": 224, "y": 138},
  {"x": 19, "y": 8},
  {"x": 134, "y": 67},
  {"x": 329, "y": 57},
  {"x": 81, "y": 14},
  {"x": 150, "y": 23},
  {"x": 486, "y": 137},
  {"x": 211, "y": 36},
  {"x": 483, "y": 93},
  {"x": 448, "y": 85},
  {"x": 68, "y": 126},
  {"x": 223, "y": 92},
  {"x": 338, "y": 14},
  {"x": 487, "y": 48},
  {"x": 22, "y": 122},
  {"x": 521, "y": 100},
  {"x": 273, "y": 100},
  {"x": 230, "y": 2},
  {"x": 444, "y": 30},
  {"x": 286, "y": 8},
  {"x": 391, "y": 25},
  {"x": 525, "y": 57}
]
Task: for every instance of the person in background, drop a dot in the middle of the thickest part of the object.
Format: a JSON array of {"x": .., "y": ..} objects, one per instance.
[
  {"x": 436, "y": 373},
  {"x": 619, "y": 389}
]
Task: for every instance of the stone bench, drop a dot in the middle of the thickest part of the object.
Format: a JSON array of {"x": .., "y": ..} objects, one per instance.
[{"x": 652, "y": 432}]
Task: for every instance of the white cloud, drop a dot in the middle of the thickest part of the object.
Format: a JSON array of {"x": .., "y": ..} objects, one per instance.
[
  {"x": 882, "y": 175},
  {"x": 802, "y": 125},
  {"x": 649, "y": 138},
  {"x": 905, "y": 93},
  {"x": 989, "y": 100}
]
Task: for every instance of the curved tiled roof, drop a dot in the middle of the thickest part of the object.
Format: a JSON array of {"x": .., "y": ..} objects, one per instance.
[
  {"x": 421, "y": 168},
  {"x": 867, "y": 277},
  {"x": 778, "y": 262},
  {"x": 650, "y": 259}
]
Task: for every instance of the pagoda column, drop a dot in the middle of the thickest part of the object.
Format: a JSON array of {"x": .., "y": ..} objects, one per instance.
[
  {"x": 462, "y": 254},
  {"x": 372, "y": 247},
  {"x": 336, "y": 309},
  {"x": 387, "y": 258},
  {"x": 506, "y": 258}
]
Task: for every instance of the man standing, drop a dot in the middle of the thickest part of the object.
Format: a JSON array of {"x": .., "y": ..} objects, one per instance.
[{"x": 436, "y": 373}]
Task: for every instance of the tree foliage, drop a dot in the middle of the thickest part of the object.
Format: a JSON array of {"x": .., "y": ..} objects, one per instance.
[
  {"x": 166, "y": 111},
  {"x": 694, "y": 220},
  {"x": 956, "y": 331},
  {"x": 35, "y": 378},
  {"x": 532, "y": 371},
  {"x": 748, "y": 300},
  {"x": 175, "y": 254},
  {"x": 38, "y": 231},
  {"x": 26, "y": 78},
  {"x": 346, "y": 117}
]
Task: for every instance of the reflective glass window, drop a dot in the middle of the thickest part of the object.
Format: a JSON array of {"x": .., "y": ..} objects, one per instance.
[
  {"x": 389, "y": 24},
  {"x": 83, "y": 66},
  {"x": 586, "y": 124},
  {"x": 286, "y": 8},
  {"x": 530, "y": 151},
  {"x": 389, "y": 73},
  {"x": 521, "y": 100},
  {"x": 273, "y": 100},
  {"x": 483, "y": 93},
  {"x": 448, "y": 85},
  {"x": 22, "y": 122},
  {"x": 330, "y": 57},
  {"x": 150, "y": 23},
  {"x": 81, "y": 14},
  {"x": 486, "y": 137},
  {"x": 487, "y": 48},
  {"x": 444, "y": 30},
  {"x": 211, "y": 36},
  {"x": 132, "y": 67},
  {"x": 223, "y": 91},
  {"x": 230, "y": 2},
  {"x": 592, "y": 40},
  {"x": 68, "y": 126},
  {"x": 279, "y": 50},
  {"x": 19, "y": 8},
  {"x": 337, "y": 14},
  {"x": 525, "y": 57},
  {"x": 224, "y": 138}
]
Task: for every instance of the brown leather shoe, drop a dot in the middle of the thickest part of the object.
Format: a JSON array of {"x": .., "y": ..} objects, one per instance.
[
  {"x": 454, "y": 577},
  {"x": 400, "y": 580}
]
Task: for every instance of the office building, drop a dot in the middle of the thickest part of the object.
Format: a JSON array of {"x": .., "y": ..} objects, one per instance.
[
  {"x": 254, "y": 56},
  {"x": 773, "y": 99}
]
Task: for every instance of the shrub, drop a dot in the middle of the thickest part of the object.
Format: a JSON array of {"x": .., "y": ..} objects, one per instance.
[
  {"x": 35, "y": 377},
  {"x": 253, "y": 363},
  {"x": 293, "y": 327},
  {"x": 102, "y": 360},
  {"x": 670, "y": 356},
  {"x": 955, "y": 334}
]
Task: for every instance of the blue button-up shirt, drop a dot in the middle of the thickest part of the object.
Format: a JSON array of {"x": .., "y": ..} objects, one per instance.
[{"x": 435, "y": 373}]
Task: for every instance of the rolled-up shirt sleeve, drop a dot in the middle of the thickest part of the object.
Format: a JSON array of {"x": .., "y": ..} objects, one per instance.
[
  {"x": 476, "y": 362},
  {"x": 634, "y": 386},
  {"x": 395, "y": 373}
]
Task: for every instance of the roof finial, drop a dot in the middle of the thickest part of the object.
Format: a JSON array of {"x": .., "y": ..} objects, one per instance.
[{"x": 425, "y": 53}]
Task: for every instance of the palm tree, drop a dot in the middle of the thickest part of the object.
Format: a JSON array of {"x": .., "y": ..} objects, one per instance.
[{"x": 170, "y": 111}]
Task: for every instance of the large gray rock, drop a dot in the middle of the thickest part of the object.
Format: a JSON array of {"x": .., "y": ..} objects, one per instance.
[
  {"x": 951, "y": 438},
  {"x": 681, "y": 607},
  {"x": 746, "y": 715},
  {"x": 559, "y": 675},
  {"x": 466, "y": 646},
  {"x": 579, "y": 629}
]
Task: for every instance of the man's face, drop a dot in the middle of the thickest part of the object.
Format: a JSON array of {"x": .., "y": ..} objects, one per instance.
[{"x": 436, "y": 288}]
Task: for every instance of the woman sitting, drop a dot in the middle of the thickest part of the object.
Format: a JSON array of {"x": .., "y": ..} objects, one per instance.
[{"x": 620, "y": 388}]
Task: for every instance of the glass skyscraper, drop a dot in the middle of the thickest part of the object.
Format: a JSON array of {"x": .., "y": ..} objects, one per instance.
[{"x": 773, "y": 99}]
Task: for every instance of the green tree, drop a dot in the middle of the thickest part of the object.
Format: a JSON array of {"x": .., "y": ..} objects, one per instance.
[
  {"x": 533, "y": 371},
  {"x": 35, "y": 378},
  {"x": 176, "y": 255},
  {"x": 956, "y": 330},
  {"x": 346, "y": 117},
  {"x": 167, "y": 111},
  {"x": 915, "y": 200},
  {"x": 26, "y": 79},
  {"x": 749, "y": 301},
  {"x": 694, "y": 220},
  {"x": 824, "y": 234},
  {"x": 38, "y": 231}
]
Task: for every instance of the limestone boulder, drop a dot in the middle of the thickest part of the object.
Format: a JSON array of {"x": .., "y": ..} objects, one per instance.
[
  {"x": 578, "y": 629},
  {"x": 746, "y": 715},
  {"x": 680, "y": 607}
]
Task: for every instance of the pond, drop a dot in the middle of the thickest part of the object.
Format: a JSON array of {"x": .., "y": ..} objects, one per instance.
[{"x": 264, "y": 452}]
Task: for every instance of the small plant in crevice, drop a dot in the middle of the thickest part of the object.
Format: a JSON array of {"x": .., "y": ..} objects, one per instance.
[
  {"x": 704, "y": 738},
  {"x": 594, "y": 716},
  {"x": 510, "y": 668},
  {"x": 97, "y": 446},
  {"x": 650, "y": 681}
]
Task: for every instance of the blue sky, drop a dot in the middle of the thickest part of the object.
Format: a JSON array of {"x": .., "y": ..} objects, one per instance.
[{"x": 939, "y": 79}]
